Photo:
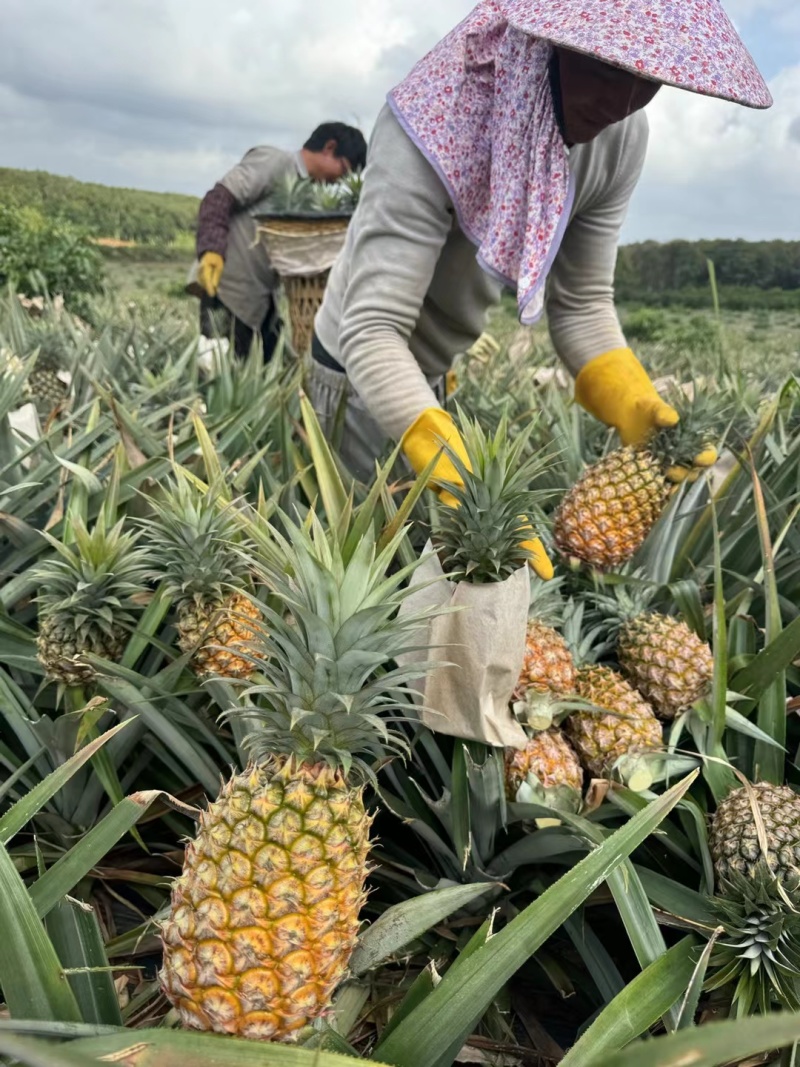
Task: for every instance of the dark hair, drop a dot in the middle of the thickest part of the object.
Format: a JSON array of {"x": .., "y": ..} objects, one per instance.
[{"x": 350, "y": 142}]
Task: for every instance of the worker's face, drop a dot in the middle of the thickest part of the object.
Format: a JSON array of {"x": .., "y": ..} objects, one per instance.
[
  {"x": 595, "y": 95},
  {"x": 326, "y": 166}
]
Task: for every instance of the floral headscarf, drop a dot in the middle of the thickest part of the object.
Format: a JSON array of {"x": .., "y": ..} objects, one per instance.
[{"x": 479, "y": 108}]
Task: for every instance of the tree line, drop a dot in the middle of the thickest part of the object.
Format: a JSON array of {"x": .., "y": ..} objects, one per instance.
[
  {"x": 101, "y": 210},
  {"x": 651, "y": 268}
]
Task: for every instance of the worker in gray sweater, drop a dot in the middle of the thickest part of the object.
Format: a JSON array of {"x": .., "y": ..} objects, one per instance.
[
  {"x": 507, "y": 158},
  {"x": 233, "y": 276}
]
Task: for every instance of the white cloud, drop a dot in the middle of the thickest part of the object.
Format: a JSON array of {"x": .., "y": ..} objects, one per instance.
[
  {"x": 717, "y": 169},
  {"x": 167, "y": 95}
]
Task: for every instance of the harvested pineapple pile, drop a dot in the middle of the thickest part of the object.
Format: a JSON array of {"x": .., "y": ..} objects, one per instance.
[{"x": 193, "y": 593}]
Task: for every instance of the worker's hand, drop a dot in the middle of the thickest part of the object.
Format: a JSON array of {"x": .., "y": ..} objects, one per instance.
[
  {"x": 421, "y": 442},
  {"x": 210, "y": 271},
  {"x": 615, "y": 389}
]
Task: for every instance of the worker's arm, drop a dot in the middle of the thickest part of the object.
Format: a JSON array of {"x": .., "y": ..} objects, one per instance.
[
  {"x": 610, "y": 382},
  {"x": 246, "y": 183},
  {"x": 403, "y": 220},
  {"x": 214, "y": 220},
  {"x": 581, "y": 315}
]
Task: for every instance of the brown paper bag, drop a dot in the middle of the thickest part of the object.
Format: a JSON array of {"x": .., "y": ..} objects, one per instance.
[{"x": 480, "y": 646}]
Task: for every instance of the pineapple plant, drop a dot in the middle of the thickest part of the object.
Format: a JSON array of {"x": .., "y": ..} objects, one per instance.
[
  {"x": 88, "y": 606},
  {"x": 265, "y": 915},
  {"x": 196, "y": 549},
  {"x": 758, "y": 892},
  {"x": 483, "y": 538},
  {"x": 608, "y": 513},
  {"x": 547, "y": 770},
  {"x": 623, "y": 736}
]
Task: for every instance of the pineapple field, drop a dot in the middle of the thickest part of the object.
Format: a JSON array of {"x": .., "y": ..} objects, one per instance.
[{"x": 245, "y": 816}]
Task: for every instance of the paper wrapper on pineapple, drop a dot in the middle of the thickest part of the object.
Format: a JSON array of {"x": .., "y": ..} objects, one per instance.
[{"x": 481, "y": 647}]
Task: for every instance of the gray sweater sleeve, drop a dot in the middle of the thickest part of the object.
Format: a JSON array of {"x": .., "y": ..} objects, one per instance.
[
  {"x": 404, "y": 218},
  {"x": 579, "y": 301},
  {"x": 255, "y": 175}
]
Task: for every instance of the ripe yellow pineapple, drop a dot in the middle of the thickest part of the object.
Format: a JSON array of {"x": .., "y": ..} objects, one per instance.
[
  {"x": 197, "y": 550},
  {"x": 548, "y": 765},
  {"x": 88, "y": 604},
  {"x": 666, "y": 661},
  {"x": 617, "y": 739},
  {"x": 659, "y": 654},
  {"x": 606, "y": 516},
  {"x": 548, "y": 670},
  {"x": 265, "y": 914}
]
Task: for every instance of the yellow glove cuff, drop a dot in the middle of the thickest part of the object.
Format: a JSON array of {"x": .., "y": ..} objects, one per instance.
[{"x": 425, "y": 437}]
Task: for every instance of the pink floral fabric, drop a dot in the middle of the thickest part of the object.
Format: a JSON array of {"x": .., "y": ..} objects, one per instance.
[
  {"x": 479, "y": 108},
  {"x": 690, "y": 44}
]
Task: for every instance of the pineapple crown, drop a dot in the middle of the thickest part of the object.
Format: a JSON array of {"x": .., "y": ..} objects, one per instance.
[
  {"x": 481, "y": 540},
  {"x": 296, "y": 195},
  {"x": 547, "y": 603},
  {"x": 94, "y": 581},
  {"x": 333, "y": 689},
  {"x": 703, "y": 419},
  {"x": 587, "y": 639},
  {"x": 760, "y": 947},
  {"x": 194, "y": 542}
]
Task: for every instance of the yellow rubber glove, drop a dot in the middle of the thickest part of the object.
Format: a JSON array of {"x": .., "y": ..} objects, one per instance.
[
  {"x": 424, "y": 438},
  {"x": 210, "y": 271},
  {"x": 616, "y": 389}
]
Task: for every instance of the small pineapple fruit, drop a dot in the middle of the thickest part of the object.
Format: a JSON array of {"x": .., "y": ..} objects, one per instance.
[
  {"x": 666, "y": 661},
  {"x": 197, "y": 548},
  {"x": 88, "y": 604},
  {"x": 733, "y": 838},
  {"x": 548, "y": 671},
  {"x": 547, "y": 768},
  {"x": 265, "y": 915},
  {"x": 606, "y": 516},
  {"x": 758, "y": 893},
  {"x": 622, "y": 736}
]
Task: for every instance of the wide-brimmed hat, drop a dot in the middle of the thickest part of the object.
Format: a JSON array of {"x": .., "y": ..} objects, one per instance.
[{"x": 690, "y": 44}]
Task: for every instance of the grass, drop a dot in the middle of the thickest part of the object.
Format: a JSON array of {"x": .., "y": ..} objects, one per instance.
[{"x": 760, "y": 345}]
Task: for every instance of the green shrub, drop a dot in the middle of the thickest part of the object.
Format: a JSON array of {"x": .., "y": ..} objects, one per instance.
[
  {"x": 39, "y": 257},
  {"x": 646, "y": 324}
]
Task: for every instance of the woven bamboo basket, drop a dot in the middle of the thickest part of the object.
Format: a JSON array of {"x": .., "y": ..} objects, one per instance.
[{"x": 302, "y": 249}]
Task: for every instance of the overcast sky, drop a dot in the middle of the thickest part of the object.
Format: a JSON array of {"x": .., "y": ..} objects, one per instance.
[{"x": 167, "y": 94}]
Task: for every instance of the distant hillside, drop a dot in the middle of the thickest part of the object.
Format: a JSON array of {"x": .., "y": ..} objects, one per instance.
[{"x": 101, "y": 210}]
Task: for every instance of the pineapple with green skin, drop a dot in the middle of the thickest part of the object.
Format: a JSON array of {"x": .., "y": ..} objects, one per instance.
[
  {"x": 607, "y": 515},
  {"x": 92, "y": 590},
  {"x": 196, "y": 549},
  {"x": 758, "y": 897},
  {"x": 733, "y": 838},
  {"x": 265, "y": 915}
]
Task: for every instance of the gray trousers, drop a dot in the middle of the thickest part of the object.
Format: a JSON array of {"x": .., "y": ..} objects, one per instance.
[{"x": 348, "y": 426}]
